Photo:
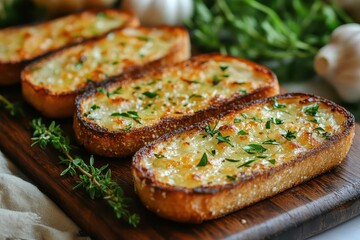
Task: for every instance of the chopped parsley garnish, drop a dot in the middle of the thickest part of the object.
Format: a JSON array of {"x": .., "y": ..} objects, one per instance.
[
  {"x": 223, "y": 139},
  {"x": 271, "y": 142},
  {"x": 237, "y": 120},
  {"x": 272, "y": 161},
  {"x": 242, "y": 91},
  {"x": 203, "y": 160},
  {"x": 246, "y": 164},
  {"x": 211, "y": 131},
  {"x": 215, "y": 80},
  {"x": 94, "y": 107},
  {"x": 290, "y": 135},
  {"x": 311, "y": 110},
  {"x": 277, "y": 121},
  {"x": 261, "y": 156},
  {"x": 244, "y": 115},
  {"x": 231, "y": 178},
  {"x": 108, "y": 94},
  {"x": 242, "y": 133},
  {"x": 159, "y": 155},
  {"x": 223, "y": 67},
  {"x": 102, "y": 90},
  {"x": 323, "y": 133},
  {"x": 195, "y": 96},
  {"x": 231, "y": 160},
  {"x": 128, "y": 127},
  {"x": 254, "y": 149},
  {"x": 313, "y": 120},
  {"x": 256, "y": 119},
  {"x": 129, "y": 114},
  {"x": 212, "y": 152},
  {"x": 319, "y": 129},
  {"x": 116, "y": 91},
  {"x": 150, "y": 94},
  {"x": 277, "y": 105}
]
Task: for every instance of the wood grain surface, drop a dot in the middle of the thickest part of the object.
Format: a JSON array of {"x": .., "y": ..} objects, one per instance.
[{"x": 297, "y": 213}]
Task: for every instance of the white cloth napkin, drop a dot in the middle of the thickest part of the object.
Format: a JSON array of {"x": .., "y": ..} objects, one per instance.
[{"x": 26, "y": 213}]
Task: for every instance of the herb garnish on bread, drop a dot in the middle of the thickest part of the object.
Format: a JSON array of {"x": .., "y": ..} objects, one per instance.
[
  {"x": 123, "y": 115},
  {"x": 20, "y": 45},
  {"x": 52, "y": 83},
  {"x": 221, "y": 165}
]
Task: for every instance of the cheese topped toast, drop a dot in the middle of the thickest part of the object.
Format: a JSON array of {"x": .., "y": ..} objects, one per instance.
[
  {"x": 223, "y": 164},
  {"x": 52, "y": 83},
  {"x": 19, "y": 45},
  {"x": 123, "y": 115}
]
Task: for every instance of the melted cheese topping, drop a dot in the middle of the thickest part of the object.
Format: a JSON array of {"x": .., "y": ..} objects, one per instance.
[
  {"x": 253, "y": 144},
  {"x": 109, "y": 56},
  {"x": 32, "y": 41},
  {"x": 174, "y": 93}
]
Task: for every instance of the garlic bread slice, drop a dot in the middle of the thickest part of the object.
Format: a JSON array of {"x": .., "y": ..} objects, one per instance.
[
  {"x": 21, "y": 45},
  {"x": 221, "y": 165},
  {"x": 123, "y": 115},
  {"x": 52, "y": 83}
]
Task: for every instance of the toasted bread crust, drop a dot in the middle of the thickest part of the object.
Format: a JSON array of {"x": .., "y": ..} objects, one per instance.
[
  {"x": 209, "y": 202},
  {"x": 122, "y": 143},
  {"x": 11, "y": 69},
  {"x": 61, "y": 104}
]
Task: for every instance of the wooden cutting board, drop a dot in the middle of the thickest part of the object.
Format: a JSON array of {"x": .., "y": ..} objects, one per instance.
[{"x": 298, "y": 213}]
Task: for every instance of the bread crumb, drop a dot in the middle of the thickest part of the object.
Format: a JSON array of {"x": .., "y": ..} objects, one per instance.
[{"x": 243, "y": 221}]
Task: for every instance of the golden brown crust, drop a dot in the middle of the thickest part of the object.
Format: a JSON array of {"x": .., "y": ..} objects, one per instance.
[
  {"x": 204, "y": 203},
  {"x": 11, "y": 70},
  {"x": 60, "y": 105},
  {"x": 121, "y": 144}
]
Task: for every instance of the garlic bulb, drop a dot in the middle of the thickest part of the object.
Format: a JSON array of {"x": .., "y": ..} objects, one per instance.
[
  {"x": 160, "y": 12},
  {"x": 339, "y": 61}
]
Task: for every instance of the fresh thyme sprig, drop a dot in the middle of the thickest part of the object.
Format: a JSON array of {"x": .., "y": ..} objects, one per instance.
[
  {"x": 14, "y": 109},
  {"x": 93, "y": 180}
]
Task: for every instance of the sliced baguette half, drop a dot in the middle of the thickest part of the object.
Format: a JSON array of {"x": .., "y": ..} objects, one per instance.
[
  {"x": 52, "y": 83},
  {"x": 21, "y": 45},
  {"x": 123, "y": 115},
  {"x": 224, "y": 164}
]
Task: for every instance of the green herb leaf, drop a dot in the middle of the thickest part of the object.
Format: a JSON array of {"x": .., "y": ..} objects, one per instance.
[
  {"x": 150, "y": 94},
  {"x": 271, "y": 142},
  {"x": 231, "y": 178},
  {"x": 254, "y": 149},
  {"x": 203, "y": 160},
  {"x": 290, "y": 135},
  {"x": 94, "y": 107},
  {"x": 246, "y": 164},
  {"x": 242, "y": 133},
  {"x": 223, "y": 67},
  {"x": 276, "y": 104},
  {"x": 195, "y": 96},
  {"x": 231, "y": 160},
  {"x": 223, "y": 139},
  {"x": 93, "y": 180},
  {"x": 216, "y": 80},
  {"x": 14, "y": 109},
  {"x": 237, "y": 120},
  {"x": 272, "y": 161},
  {"x": 211, "y": 131},
  {"x": 129, "y": 114},
  {"x": 311, "y": 110}
]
